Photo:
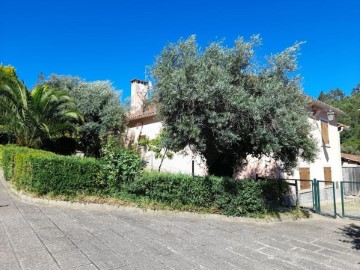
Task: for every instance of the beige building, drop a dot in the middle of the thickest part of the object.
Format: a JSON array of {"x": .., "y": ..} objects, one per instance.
[{"x": 326, "y": 131}]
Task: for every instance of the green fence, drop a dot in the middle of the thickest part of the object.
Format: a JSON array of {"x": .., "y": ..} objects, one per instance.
[
  {"x": 316, "y": 195},
  {"x": 350, "y": 199},
  {"x": 324, "y": 198}
]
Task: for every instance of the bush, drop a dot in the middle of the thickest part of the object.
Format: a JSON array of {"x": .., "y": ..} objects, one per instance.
[
  {"x": 1, "y": 153},
  {"x": 119, "y": 166},
  {"x": 43, "y": 172},
  {"x": 237, "y": 198},
  {"x": 14, "y": 160},
  {"x": 173, "y": 189},
  {"x": 231, "y": 197},
  {"x": 61, "y": 175},
  {"x": 274, "y": 191},
  {"x": 119, "y": 172}
]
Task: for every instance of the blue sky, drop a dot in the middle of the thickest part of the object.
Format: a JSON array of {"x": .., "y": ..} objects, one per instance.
[{"x": 116, "y": 40}]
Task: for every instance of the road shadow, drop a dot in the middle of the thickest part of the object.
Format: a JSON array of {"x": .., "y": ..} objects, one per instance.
[{"x": 352, "y": 235}]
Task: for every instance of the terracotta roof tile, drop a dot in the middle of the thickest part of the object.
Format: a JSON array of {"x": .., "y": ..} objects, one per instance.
[{"x": 149, "y": 111}]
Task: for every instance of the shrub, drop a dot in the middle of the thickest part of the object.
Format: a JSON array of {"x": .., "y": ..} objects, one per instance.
[
  {"x": 274, "y": 191},
  {"x": 12, "y": 153},
  {"x": 22, "y": 169},
  {"x": 61, "y": 175},
  {"x": 1, "y": 153},
  {"x": 231, "y": 197},
  {"x": 119, "y": 166},
  {"x": 226, "y": 193},
  {"x": 8, "y": 154},
  {"x": 173, "y": 189},
  {"x": 120, "y": 172},
  {"x": 43, "y": 172},
  {"x": 238, "y": 197}
]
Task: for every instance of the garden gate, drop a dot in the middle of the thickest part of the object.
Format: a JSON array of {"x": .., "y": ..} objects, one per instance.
[{"x": 350, "y": 199}]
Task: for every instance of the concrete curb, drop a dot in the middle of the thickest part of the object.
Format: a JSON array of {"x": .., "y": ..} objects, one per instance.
[{"x": 25, "y": 198}]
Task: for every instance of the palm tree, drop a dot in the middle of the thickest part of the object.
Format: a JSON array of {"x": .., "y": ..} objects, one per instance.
[{"x": 36, "y": 116}]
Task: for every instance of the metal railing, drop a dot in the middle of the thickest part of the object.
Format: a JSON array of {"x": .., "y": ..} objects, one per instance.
[
  {"x": 350, "y": 199},
  {"x": 323, "y": 197}
]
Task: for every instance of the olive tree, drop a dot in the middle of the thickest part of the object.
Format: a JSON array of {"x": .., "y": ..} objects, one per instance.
[{"x": 224, "y": 106}]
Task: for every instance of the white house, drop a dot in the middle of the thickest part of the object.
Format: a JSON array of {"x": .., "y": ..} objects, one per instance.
[{"x": 326, "y": 131}]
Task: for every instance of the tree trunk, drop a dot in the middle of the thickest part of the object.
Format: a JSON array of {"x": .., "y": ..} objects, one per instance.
[{"x": 162, "y": 159}]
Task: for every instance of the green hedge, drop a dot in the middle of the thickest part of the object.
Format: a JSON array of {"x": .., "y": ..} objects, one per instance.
[
  {"x": 1, "y": 153},
  {"x": 62, "y": 175},
  {"x": 15, "y": 161},
  {"x": 231, "y": 197},
  {"x": 43, "y": 172},
  {"x": 171, "y": 188}
]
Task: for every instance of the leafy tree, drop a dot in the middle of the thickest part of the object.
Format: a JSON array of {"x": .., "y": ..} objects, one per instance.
[
  {"x": 333, "y": 97},
  {"x": 350, "y": 139},
  {"x": 99, "y": 103},
  {"x": 34, "y": 117},
  {"x": 159, "y": 147},
  {"x": 224, "y": 106},
  {"x": 356, "y": 90}
]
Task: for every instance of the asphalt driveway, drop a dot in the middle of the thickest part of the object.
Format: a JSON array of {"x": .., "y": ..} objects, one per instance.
[{"x": 40, "y": 237}]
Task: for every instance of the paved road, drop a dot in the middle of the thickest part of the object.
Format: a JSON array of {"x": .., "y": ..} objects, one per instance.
[{"x": 39, "y": 237}]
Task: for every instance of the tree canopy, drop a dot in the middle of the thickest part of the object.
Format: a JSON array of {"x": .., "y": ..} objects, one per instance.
[
  {"x": 100, "y": 105},
  {"x": 350, "y": 139},
  {"x": 225, "y": 106},
  {"x": 30, "y": 118}
]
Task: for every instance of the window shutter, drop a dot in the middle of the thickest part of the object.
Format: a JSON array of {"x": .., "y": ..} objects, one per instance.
[
  {"x": 325, "y": 132},
  {"x": 305, "y": 175},
  {"x": 327, "y": 176}
]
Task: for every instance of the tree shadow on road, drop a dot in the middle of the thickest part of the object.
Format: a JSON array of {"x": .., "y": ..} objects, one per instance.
[{"x": 352, "y": 235}]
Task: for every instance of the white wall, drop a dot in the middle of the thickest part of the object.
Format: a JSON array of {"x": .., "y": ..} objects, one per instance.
[
  {"x": 181, "y": 161},
  {"x": 328, "y": 155},
  {"x": 139, "y": 90}
]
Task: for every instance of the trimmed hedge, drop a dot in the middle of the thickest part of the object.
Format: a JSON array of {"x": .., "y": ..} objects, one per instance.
[
  {"x": 1, "y": 153},
  {"x": 43, "y": 172},
  {"x": 231, "y": 197},
  {"x": 63, "y": 175},
  {"x": 15, "y": 161},
  {"x": 171, "y": 188}
]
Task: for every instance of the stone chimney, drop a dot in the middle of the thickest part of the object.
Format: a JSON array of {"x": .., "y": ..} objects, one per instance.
[{"x": 139, "y": 93}]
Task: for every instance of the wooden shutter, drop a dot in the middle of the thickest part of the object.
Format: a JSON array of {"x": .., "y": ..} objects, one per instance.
[
  {"x": 305, "y": 175},
  {"x": 327, "y": 176},
  {"x": 325, "y": 132}
]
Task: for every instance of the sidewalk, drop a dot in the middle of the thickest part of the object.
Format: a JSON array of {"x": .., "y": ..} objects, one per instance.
[{"x": 40, "y": 237}]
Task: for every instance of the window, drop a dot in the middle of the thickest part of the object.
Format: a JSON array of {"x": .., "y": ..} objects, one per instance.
[
  {"x": 305, "y": 175},
  {"x": 325, "y": 132},
  {"x": 327, "y": 176}
]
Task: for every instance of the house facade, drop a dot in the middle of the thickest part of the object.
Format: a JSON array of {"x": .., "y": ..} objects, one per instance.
[{"x": 326, "y": 131}]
